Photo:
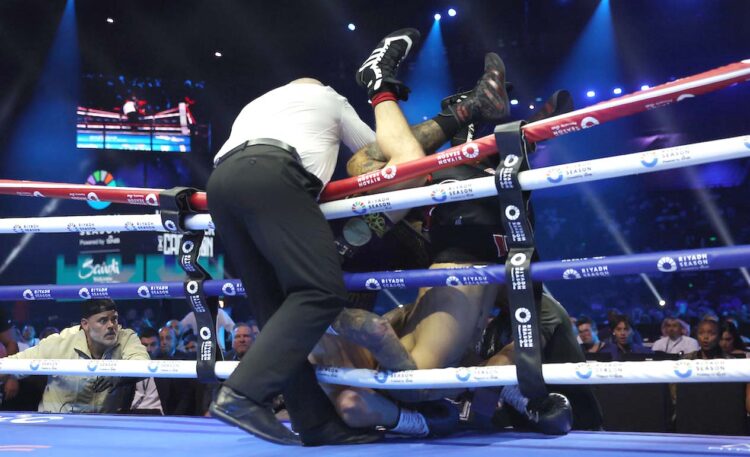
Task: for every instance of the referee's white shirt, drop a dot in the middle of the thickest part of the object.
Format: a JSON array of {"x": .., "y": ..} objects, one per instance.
[{"x": 313, "y": 119}]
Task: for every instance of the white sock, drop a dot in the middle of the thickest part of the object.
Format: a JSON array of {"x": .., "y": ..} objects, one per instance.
[{"x": 411, "y": 423}]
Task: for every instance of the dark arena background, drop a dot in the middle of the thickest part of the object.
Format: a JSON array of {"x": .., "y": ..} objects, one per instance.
[{"x": 143, "y": 93}]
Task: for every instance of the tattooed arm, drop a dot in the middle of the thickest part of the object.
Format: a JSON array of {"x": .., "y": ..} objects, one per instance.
[
  {"x": 429, "y": 135},
  {"x": 374, "y": 333}
]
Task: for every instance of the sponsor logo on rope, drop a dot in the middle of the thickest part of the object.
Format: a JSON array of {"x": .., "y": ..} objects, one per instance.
[
  {"x": 684, "y": 97},
  {"x": 523, "y": 315},
  {"x": 584, "y": 371},
  {"x": 143, "y": 292},
  {"x": 37, "y": 294},
  {"x": 129, "y": 226},
  {"x": 34, "y": 365},
  {"x": 438, "y": 195},
  {"x": 382, "y": 376},
  {"x": 589, "y": 121},
  {"x": 152, "y": 200},
  {"x": 554, "y": 176},
  {"x": 28, "y": 419},
  {"x": 92, "y": 366},
  {"x": 84, "y": 293},
  {"x": 741, "y": 447},
  {"x": 27, "y": 228},
  {"x": 72, "y": 227},
  {"x": 463, "y": 374},
  {"x": 389, "y": 172},
  {"x": 372, "y": 284},
  {"x": 682, "y": 369},
  {"x": 228, "y": 289},
  {"x": 37, "y": 194},
  {"x": 649, "y": 159},
  {"x": 571, "y": 273},
  {"x": 666, "y": 264},
  {"x": 470, "y": 150},
  {"x": 153, "y": 367},
  {"x": 453, "y": 281},
  {"x": 92, "y": 197},
  {"x": 358, "y": 208},
  {"x": 28, "y": 295}
]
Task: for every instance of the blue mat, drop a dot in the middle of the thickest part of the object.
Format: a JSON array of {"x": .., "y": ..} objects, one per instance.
[{"x": 115, "y": 436}]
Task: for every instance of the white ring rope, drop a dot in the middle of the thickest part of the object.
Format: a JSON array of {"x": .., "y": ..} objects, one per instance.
[
  {"x": 541, "y": 178},
  {"x": 678, "y": 371}
]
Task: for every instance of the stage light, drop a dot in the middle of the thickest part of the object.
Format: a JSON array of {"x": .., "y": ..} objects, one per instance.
[
  {"x": 590, "y": 94},
  {"x": 514, "y": 102},
  {"x": 352, "y": 27},
  {"x": 617, "y": 91},
  {"x": 218, "y": 54},
  {"x": 645, "y": 86},
  {"x": 531, "y": 106},
  {"x": 110, "y": 20},
  {"x": 662, "y": 303},
  {"x": 437, "y": 16},
  {"x": 451, "y": 12}
]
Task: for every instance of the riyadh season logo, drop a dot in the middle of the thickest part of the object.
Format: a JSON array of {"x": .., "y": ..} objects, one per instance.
[
  {"x": 682, "y": 369},
  {"x": 28, "y": 295},
  {"x": 38, "y": 194},
  {"x": 34, "y": 365},
  {"x": 92, "y": 366},
  {"x": 523, "y": 315},
  {"x": 388, "y": 172},
  {"x": 684, "y": 97},
  {"x": 143, "y": 292},
  {"x": 170, "y": 225},
  {"x": 372, "y": 284},
  {"x": 129, "y": 226},
  {"x": 152, "y": 200},
  {"x": 589, "y": 121},
  {"x": 666, "y": 265},
  {"x": 438, "y": 195},
  {"x": 17, "y": 228},
  {"x": 649, "y": 159},
  {"x": 554, "y": 176},
  {"x": 84, "y": 293},
  {"x": 463, "y": 374},
  {"x": 571, "y": 273},
  {"x": 453, "y": 281},
  {"x": 228, "y": 289},
  {"x": 584, "y": 371},
  {"x": 153, "y": 366},
  {"x": 358, "y": 208},
  {"x": 470, "y": 150},
  {"x": 72, "y": 227},
  {"x": 512, "y": 212},
  {"x": 382, "y": 376},
  {"x": 188, "y": 246}
]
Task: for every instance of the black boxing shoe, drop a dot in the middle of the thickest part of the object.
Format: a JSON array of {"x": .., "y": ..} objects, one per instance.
[
  {"x": 235, "y": 409},
  {"x": 335, "y": 432},
  {"x": 488, "y": 101},
  {"x": 378, "y": 72},
  {"x": 551, "y": 415}
]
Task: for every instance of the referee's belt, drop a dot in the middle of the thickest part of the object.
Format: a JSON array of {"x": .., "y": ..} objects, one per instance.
[{"x": 260, "y": 141}]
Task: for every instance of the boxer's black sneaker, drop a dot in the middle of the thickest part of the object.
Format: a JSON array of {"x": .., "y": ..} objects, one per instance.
[{"x": 378, "y": 72}]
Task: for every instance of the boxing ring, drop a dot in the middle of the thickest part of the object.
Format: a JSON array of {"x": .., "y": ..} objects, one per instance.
[{"x": 55, "y": 434}]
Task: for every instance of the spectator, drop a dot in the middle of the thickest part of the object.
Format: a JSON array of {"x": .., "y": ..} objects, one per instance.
[
  {"x": 588, "y": 334},
  {"x": 97, "y": 337},
  {"x": 708, "y": 339},
  {"x": 29, "y": 335},
  {"x": 622, "y": 339},
  {"x": 673, "y": 341},
  {"x": 242, "y": 340},
  {"x": 224, "y": 323},
  {"x": 191, "y": 344},
  {"x": 730, "y": 341},
  {"x": 168, "y": 343}
]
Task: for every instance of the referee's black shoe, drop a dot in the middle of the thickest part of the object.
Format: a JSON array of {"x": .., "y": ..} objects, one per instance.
[
  {"x": 236, "y": 409},
  {"x": 378, "y": 72}
]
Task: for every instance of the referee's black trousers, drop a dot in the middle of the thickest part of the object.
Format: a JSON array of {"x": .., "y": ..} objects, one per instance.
[{"x": 263, "y": 203}]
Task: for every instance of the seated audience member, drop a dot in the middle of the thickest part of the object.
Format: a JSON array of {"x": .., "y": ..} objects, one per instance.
[
  {"x": 673, "y": 341},
  {"x": 708, "y": 339},
  {"x": 28, "y": 335},
  {"x": 242, "y": 340},
  {"x": 190, "y": 342},
  {"x": 47, "y": 331},
  {"x": 180, "y": 332},
  {"x": 168, "y": 341},
  {"x": 224, "y": 323},
  {"x": 622, "y": 339},
  {"x": 98, "y": 336},
  {"x": 10, "y": 386},
  {"x": 588, "y": 335},
  {"x": 161, "y": 396},
  {"x": 730, "y": 340}
]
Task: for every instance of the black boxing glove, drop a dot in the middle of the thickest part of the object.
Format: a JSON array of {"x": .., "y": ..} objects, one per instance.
[{"x": 551, "y": 415}]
